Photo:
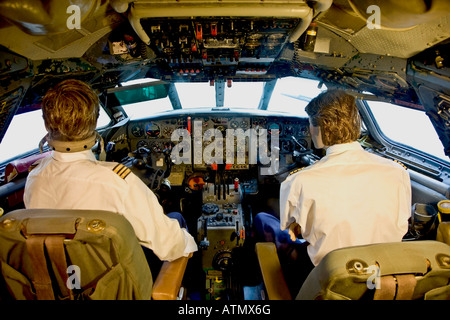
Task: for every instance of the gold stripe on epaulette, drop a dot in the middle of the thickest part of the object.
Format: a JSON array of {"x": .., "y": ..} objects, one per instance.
[
  {"x": 404, "y": 167},
  {"x": 121, "y": 171},
  {"x": 296, "y": 170},
  {"x": 33, "y": 165}
]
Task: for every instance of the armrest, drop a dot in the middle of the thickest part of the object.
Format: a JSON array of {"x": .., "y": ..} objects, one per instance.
[
  {"x": 168, "y": 282},
  {"x": 271, "y": 271},
  {"x": 443, "y": 232}
]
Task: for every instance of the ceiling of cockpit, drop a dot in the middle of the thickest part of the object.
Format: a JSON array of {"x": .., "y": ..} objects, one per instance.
[
  {"x": 386, "y": 47},
  {"x": 407, "y": 27}
]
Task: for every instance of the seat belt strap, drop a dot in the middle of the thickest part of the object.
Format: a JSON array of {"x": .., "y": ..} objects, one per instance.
[
  {"x": 387, "y": 289},
  {"x": 406, "y": 283},
  {"x": 41, "y": 279},
  {"x": 55, "y": 250},
  {"x": 398, "y": 287}
]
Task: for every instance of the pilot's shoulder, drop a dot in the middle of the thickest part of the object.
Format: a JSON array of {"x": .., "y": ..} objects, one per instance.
[
  {"x": 387, "y": 161},
  {"x": 38, "y": 162},
  {"x": 296, "y": 171},
  {"x": 121, "y": 170},
  {"x": 34, "y": 165},
  {"x": 114, "y": 169},
  {"x": 400, "y": 163}
]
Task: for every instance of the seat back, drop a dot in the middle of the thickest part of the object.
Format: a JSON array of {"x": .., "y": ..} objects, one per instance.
[
  {"x": 271, "y": 272},
  {"x": 65, "y": 254},
  {"x": 401, "y": 270},
  {"x": 443, "y": 232}
]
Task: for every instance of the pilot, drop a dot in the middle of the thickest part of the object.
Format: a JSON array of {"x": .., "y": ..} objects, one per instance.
[
  {"x": 72, "y": 178},
  {"x": 350, "y": 197}
]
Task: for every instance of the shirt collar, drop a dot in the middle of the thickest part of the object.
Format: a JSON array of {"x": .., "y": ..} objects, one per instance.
[
  {"x": 342, "y": 147},
  {"x": 73, "y": 156}
]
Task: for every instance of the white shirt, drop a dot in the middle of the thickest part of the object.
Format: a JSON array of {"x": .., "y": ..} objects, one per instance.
[
  {"x": 350, "y": 197},
  {"x": 78, "y": 181}
]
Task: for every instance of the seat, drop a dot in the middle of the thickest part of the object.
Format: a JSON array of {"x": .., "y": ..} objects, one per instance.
[
  {"x": 401, "y": 270},
  {"x": 271, "y": 271},
  {"x": 443, "y": 232},
  {"x": 50, "y": 254}
]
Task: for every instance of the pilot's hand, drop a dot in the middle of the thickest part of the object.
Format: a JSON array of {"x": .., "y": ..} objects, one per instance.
[{"x": 294, "y": 230}]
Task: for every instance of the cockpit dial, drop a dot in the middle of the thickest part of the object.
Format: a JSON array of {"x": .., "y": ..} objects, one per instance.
[
  {"x": 234, "y": 124},
  {"x": 289, "y": 130},
  {"x": 272, "y": 127},
  {"x": 153, "y": 130},
  {"x": 167, "y": 131},
  {"x": 137, "y": 131}
]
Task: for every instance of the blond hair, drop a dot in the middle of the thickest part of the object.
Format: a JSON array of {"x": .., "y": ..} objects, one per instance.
[
  {"x": 70, "y": 111},
  {"x": 335, "y": 112}
]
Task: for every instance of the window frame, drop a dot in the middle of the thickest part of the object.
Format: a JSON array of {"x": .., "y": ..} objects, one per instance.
[{"x": 413, "y": 158}]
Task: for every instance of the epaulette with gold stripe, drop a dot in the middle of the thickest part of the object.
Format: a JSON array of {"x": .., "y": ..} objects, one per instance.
[
  {"x": 121, "y": 171},
  {"x": 404, "y": 167},
  {"x": 34, "y": 165},
  {"x": 296, "y": 170}
]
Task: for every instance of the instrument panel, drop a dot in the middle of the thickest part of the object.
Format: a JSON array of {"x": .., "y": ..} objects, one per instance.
[{"x": 211, "y": 136}]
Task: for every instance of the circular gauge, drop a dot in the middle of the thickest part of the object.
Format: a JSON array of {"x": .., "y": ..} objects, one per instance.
[
  {"x": 152, "y": 129},
  {"x": 137, "y": 131},
  {"x": 196, "y": 183},
  {"x": 304, "y": 130},
  {"x": 167, "y": 132},
  {"x": 234, "y": 124},
  {"x": 272, "y": 127},
  {"x": 287, "y": 145},
  {"x": 157, "y": 147},
  {"x": 244, "y": 125},
  {"x": 142, "y": 143},
  {"x": 222, "y": 260},
  {"x": 289, "y": 130},
  {"x": 207, "y": 134},
  {"x": 221, "y": 128}
]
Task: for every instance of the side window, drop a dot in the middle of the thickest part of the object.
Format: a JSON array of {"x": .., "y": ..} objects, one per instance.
[
  {"x": 26, "y": 131},
  {"x": 407, "y": 126},
  {"x": 24, "y": 134},
  {"x": 103, "y": 118}
]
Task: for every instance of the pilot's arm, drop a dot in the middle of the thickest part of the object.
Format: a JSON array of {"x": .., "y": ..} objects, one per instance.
[
  {"x": 290, "y": 206},
  {"x": 153, "y": 228},
  {"x": 405, "y": 199},
  {"x": 294, "y": 231}
]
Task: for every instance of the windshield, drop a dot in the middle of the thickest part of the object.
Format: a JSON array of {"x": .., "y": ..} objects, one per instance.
[
  {"x": 293, "y": 94},
  {"x": 203, "y": 95},
  {"x": 290, "y": 95}
]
